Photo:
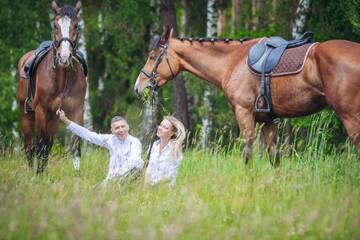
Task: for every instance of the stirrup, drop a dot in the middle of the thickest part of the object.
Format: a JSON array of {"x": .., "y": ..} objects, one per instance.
[
  {"x": 266, "y": 102},
  {"x": 26, "y": 109}
]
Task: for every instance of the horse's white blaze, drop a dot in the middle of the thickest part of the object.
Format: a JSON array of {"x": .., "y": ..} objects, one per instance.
[
  {"x": 137, "y": 84},
  {"x": 65, "y": 50},
  {"x": 137, "y": 80}
]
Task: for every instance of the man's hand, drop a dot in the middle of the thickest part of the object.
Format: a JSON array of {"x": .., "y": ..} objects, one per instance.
[{"x": 62, "y": 116}]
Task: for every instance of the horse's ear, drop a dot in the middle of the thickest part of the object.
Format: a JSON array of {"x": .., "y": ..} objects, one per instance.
[
  {"x": 168, "y": 33},
  {"x": 78, "y": 7},
  {"x": 55, "y": 7},
  {"x": 165, "y": 35},
  {"x": 171, "y": 33}
]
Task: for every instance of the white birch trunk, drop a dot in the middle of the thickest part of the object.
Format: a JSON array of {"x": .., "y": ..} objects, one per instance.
[
  {"x": 82, "y": 47},
  {"x": 211, "y": 31},
  {"x": 100, "y": 80},
  {"x": 297, "y": 29},
  {"x": 151, "y": 109},
  {"x": 300, "y": 20}
]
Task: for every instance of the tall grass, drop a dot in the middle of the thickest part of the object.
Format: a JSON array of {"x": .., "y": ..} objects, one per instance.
[{"x": 314, "y": 194}]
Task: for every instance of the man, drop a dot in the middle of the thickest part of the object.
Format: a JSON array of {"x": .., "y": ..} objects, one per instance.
[{"x": 124, "y": 149}]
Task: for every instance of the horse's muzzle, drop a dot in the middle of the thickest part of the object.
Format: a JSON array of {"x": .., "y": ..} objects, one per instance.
[
  {"x": 64, "y": 61},
  {"x": 137, "y": 92}
]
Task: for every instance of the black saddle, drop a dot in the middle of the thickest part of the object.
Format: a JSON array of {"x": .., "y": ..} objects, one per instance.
[
  {"x": 263, "y": 58},
  {"x": 39, "y": 53}
]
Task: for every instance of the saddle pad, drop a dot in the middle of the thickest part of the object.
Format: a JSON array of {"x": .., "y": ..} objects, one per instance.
[{"x": 292, "y": 61}]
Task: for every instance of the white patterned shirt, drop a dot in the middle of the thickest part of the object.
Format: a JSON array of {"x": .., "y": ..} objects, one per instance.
[
  {"x": 125, "y": 155},
  {"x": 163, "y": 165}
]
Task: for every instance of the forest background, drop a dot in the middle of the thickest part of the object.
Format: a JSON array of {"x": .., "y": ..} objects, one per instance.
[{"x": 116, "y": 36}]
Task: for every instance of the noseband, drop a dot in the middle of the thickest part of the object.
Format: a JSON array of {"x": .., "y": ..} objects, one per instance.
[
  {"x": 73, "y": 44},
  {"x": 152, "y": 76}
]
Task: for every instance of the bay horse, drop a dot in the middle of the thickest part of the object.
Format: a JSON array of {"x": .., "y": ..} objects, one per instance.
[
  {"x": 330, "y": 77},
  {"x": 59, "y": 83}
]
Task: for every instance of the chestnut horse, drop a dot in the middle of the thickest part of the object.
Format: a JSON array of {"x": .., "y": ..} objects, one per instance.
[
  {"x": 60, "y": 82},
  {"x": 330, "y": 77}
]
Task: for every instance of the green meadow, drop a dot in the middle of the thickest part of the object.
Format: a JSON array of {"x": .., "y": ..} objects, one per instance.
[{"x": 310, "y": 196}]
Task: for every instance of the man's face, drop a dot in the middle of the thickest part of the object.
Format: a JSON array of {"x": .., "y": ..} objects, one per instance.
[{"x": 120, "y": 129}]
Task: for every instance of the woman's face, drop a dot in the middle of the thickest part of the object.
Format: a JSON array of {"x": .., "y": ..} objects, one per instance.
[{"x": 165, "y": 130}]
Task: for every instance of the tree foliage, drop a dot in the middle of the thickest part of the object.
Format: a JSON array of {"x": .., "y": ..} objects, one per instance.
[
  {"x": 23, "y": 25},
  {"x": 117, "y": 36}
]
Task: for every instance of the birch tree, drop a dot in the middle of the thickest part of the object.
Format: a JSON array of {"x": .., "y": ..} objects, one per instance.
[
  {"x": 300, "y": 20},
  {"x": 151, "y": 108},
  {"x": 297, "y": 29},
  {"x": 82, "y": 48},
  {"x": 207, "y": 121}
]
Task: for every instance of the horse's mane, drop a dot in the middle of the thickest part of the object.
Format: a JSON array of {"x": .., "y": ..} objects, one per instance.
[
  {"x": 155, "y": 43},
  {"x": 226, "y": 40},
  {"x": 69, "y": 11}
]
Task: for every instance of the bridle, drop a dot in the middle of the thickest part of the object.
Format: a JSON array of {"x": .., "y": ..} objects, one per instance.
[
  {"x": 57, "y": 43},
  {"x": 152, "y": 76},
  {"x": 55, "y": 46}
]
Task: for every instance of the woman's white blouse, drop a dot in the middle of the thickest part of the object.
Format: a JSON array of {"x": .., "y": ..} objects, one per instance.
[
  {"x": 163, "y": 165},
  {"x": 125, "y": 155}
]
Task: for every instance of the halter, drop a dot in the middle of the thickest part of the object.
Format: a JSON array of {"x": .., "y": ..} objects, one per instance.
[
  {"x": 73, "y": 44},
  {"x": 152, "y": 76},
  {"x": 56, "y": 44}
]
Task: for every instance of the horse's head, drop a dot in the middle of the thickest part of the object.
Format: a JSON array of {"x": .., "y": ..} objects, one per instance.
[
  {"x": 161, "y": 66},
  {"x": 65, "y": 31}
]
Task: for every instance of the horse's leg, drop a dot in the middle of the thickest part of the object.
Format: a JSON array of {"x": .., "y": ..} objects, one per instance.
[
  {"x": 352, "y": 126},
  {"x": 27, "y": 125},
  {"x": 44, "y": 124},
  {"x": 75, "y": 143},
  {"x": 75, "y": 148},
  {"x": 269, "y": 132},
  {"x": 245, "y": 119},
  {"x": 43, "y": 146}
]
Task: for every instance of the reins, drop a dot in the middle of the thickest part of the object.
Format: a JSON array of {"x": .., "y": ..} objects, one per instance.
[
  {"x": 154, "y": 96},
  {"x": 66, "y": 89}
]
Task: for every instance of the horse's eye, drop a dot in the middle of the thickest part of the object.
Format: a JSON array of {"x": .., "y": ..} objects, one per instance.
[{"x": 152, "y": 57}]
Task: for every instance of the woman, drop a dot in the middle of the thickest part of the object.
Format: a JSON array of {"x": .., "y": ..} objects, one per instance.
[{"x": 166, "y": 153}]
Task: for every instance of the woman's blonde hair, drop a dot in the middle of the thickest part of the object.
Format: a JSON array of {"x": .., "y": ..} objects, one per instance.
[{"x": 179, "y": 134}]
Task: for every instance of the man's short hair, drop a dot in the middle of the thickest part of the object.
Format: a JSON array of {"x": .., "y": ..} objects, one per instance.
[{"x": 117, "y": 118}]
